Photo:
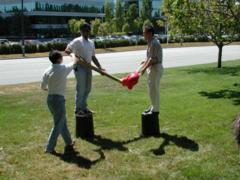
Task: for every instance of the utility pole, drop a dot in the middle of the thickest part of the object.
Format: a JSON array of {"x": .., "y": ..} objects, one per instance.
[{"x": 22, "y": 30}]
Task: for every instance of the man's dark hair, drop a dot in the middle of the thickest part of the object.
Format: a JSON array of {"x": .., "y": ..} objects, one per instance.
[
  {"x": 85, "y": 26},
  {"x": 54, "y": 55},
  {"x": 149, "y": 28}
]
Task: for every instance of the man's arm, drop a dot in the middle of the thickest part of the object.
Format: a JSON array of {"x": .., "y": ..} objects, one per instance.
[
  {"x": 154, "y": 49},
  {"x": 96, "y": 62},
  {"x": 146, "y": 64}
]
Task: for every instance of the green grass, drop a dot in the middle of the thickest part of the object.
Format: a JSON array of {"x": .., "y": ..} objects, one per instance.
[{"x": 198, "y": 105}]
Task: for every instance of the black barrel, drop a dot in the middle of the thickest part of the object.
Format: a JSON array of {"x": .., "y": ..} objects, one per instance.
[
  {"x": 85, "y": 126},
  {"x": 150, "y": 125}
]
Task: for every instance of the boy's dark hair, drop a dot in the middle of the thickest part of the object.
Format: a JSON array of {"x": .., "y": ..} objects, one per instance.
[
  {"x": 85, "y": 26},
  {"x": 54, "y": 55},
  {"x": 149, "y": 28}
]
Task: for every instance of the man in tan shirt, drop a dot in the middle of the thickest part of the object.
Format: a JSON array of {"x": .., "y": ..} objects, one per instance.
[{"x": 154, "y": 68}]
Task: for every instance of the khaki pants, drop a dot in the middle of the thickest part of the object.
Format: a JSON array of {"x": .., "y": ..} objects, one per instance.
[{"x": 155, "y": 73}]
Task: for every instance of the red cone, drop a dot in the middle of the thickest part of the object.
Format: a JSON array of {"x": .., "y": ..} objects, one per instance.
[{"x": 130, "y": 80}]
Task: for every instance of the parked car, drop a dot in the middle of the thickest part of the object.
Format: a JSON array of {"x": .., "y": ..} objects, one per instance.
[
  {"x": 59, "y": 40},
  {"x": 100, "y": 38},
  {"x": 4, "y": 42},
  {"x": 33, "y": 42}
]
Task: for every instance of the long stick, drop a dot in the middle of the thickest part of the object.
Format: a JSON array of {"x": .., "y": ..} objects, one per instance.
[{"x": 82, "y": 61}]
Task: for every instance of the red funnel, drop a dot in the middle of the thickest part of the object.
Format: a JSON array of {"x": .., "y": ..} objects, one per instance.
[{"x": 130, "y": 80}]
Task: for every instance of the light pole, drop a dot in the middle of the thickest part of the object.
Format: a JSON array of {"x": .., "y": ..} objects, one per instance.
[
  {"x": 22, "y": 29},
  {"x": 166, "y": 28}
]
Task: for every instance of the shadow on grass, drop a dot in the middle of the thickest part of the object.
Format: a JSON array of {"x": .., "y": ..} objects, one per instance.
[
  {"x": 109, "y": 144},
  {"x": 180, "y": 141},
  {"x": 233, "y": 71},
  {"x": 103, "y": 143},
  {"x": 225, "y": 93},
  {"x": 75, "y": 158}
]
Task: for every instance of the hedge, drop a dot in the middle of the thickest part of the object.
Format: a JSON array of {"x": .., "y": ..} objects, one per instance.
[
  {"x": 57, "y": 46},
  {"x": 29, "y": 48},
  {"x": 112, "y": 43},
  {"x": 13, "y": 49},
  {"x": 17, "y": 49}
]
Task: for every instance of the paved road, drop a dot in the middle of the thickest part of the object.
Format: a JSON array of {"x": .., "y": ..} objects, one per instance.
[{"x": 30, "y": 70}]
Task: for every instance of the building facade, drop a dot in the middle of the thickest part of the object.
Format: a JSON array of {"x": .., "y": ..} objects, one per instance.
[{"x": 50, "y": 17}]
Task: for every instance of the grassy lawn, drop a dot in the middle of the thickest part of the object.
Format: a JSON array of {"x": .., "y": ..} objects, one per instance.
[
  {"x": 198, "y": 105},
  {"x": 117, "y": 49}
]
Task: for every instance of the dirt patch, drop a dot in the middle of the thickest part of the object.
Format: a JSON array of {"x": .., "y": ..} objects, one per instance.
[{"x": 14, "y": 89}]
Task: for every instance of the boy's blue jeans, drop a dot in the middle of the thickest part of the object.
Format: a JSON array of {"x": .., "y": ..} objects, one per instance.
[
  {"x": 83, "y": 88},
  {"x": 56, "y": 105}
]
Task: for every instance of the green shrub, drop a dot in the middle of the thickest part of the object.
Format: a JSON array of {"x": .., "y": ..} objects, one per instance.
[
  {"x": 112, "y": 43},
  {"x": 118, "y": 33},
  {"x": 119, "y": 43},
  {"x": 30, "y": 48},
  {"x": 15, "y": 49},
  {"x": 202, "y": 39},
  {"x": 4, "y": 49},
  {"x": 43, "y": 48},
  {"x": 10, "y": 49},
  {"x": 162, "y": 39},
  {"x": 142, "y": 42},
  {"x": 57, "y": 46}
]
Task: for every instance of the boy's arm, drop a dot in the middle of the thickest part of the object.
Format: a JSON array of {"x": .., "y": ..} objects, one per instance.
[
  {"x": 72, "y": 64},
  {"x": 70, "y": 47},
  {"x": 44, "y": 83}
]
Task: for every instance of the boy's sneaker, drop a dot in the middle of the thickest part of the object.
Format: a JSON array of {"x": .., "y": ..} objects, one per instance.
[
  {"x": 51, "y": 152},
  {"x": 80, "y": 113},
  {"x": 69, "y": 149}
]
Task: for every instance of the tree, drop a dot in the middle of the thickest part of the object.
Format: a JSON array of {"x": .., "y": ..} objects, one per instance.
[
  {"x": 205, "y": 18},
  {"x": 131, "y": 15},
  {"x": 108, "y": 10},
  {"x": 95, "y": 26},
  {"x": 147, "y": 22},
  {"x": 138, "y": 25},
  {"x": 126, "y": 28},
  {"x": 160, "y": 23},
  {"x": 71, "y": 24},
  {"x": 104, "y": 29},
  {"x": 233, "y": 7},
  {"x": 146, "y": 11},
  {"x": 74, "y": 25},
  {"x": 118, "y": 18}
]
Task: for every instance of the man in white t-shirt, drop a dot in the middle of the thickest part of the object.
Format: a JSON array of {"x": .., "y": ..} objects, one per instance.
[{"x": 83, "y": 47}]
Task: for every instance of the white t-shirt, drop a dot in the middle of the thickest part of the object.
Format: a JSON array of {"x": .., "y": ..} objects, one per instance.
[
  {"x": 82, "y": 47},
  {"x": 55, "y": 78}
]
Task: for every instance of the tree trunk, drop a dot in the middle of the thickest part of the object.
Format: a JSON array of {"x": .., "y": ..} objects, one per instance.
[{"x": 220, "y": 48}]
